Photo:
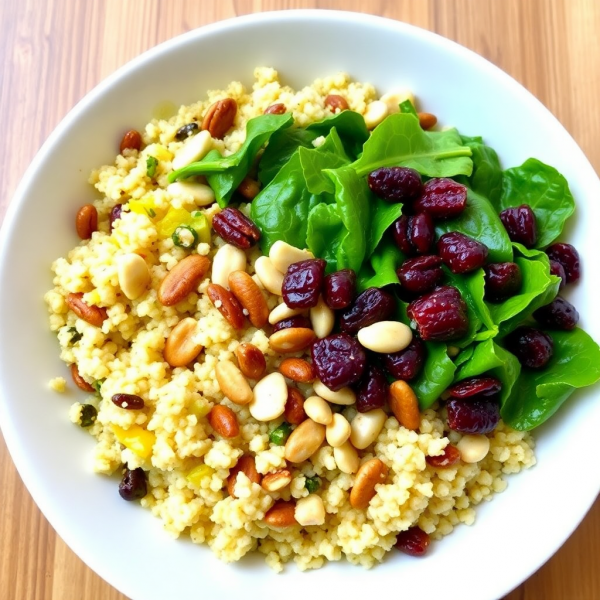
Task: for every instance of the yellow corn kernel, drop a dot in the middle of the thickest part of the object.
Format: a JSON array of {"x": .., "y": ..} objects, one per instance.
[
  {"x": 159, "y": 152},
  {"x": 198, "y": 473},
  {"x": 200, "y": 407},
  {"x": 136, "y": 438}
]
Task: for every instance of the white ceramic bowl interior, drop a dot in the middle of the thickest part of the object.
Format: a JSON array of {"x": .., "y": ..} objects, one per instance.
[{"x": 126, "y": 545}]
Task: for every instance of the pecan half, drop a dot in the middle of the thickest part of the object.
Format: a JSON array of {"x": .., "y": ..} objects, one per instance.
[
  {"x": 182, "y": 279},
  {"x": 244, "y": 288},
  {"x": 236, "y": 228},
  {"x": 226, "y": 304},
  {"x": 94, "y": 315},
  {"x": 219, "y": 117}
]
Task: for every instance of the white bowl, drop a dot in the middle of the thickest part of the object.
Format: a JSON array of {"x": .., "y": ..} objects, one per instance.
[{"x": 513, "y": 535}]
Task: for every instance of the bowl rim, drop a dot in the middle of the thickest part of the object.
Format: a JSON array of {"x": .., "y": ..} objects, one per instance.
[{"x": 24, "y": 465}]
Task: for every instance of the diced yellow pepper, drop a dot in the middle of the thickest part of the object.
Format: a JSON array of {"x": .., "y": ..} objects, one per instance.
[
  {"x": 159, "y": 152},
  {"x": 171, "y": 221},
  {"x": 143, "y": 206},
  {"x": 198, "y": 473},
  {"x": 200, "y": 407},
  {"x": 200, "y": 224},
  {"x": 136, "y": 438}
]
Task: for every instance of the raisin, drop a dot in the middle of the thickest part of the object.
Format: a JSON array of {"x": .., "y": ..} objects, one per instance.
[
  {"x": 186, "y": 131},
  {"x": 568, "y": 257},
  {"x": 297, "y": 321},
  {"x": 473, "y": 415},
  {"x": 339, "y": 289},
  {"x": 128, "y": 401},
  {"x": 407, "y": 363},
  {"x": 303, "y": 282},
  {"x": 475, "y": 386},
  {"x": 442, "y": 198},
  {"x": 421, "y": 274},
  {"x": 502, "y": 280},
  {"x": 520, "y": 225},
  {"x": 559, "y": 314},
  {"x": 339, "y": 360},
  {"x": 396, "y": 184},
  {"x": 532, "y": 347},
  {"x": 414, "y": 234},
  {"x": 449, "y": 458},
  {"x": 558, "y": 270},
  {"x": 461, "y": 253},
  {"x": 371, "y": 306},
  {"x": 413, "y": 541},
  {"x": 133, "y": 484},
  {"x": 372, "y": 390}
]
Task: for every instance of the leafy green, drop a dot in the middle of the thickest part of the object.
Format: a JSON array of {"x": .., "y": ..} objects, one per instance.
[
  {"x": 545, "y": 190},
  {"x": 351, "y": 128},
  {"x": 226, "y": 173},
  {"x": 400, "y": 141},
  {"x": 480, "y": 221},
  {"x": 436, "y": 376},
  {"x": 383, "y": 215},
  {"x": 151, "y": 164},
  {"x": 408, "y": 107},
  {"x": 486, "y": 178},
  {"x": 380, "y": 269},
  {"x": 538, "y": 394}
]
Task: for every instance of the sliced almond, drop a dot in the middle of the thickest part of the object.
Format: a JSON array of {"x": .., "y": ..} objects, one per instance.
[{"x": 233, "y": 383}]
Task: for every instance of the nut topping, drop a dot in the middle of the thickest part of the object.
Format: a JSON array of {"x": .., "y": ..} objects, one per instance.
[
  {"x": 182, "y": 279},
  {"x": 219, "y": 117},
  {"x": 86, "y": 221}
]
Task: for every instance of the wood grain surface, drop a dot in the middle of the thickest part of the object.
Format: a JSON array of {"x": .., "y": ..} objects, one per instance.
[{"x": 53, "y": 52}]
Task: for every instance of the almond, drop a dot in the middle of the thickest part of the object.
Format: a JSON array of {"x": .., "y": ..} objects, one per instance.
[
  {"x": 294, "y": 407},
  {"x": 79, "y": 381},
  {"x": 292, "y": 339},
  {"x": 181, "y": 348},
  {"x": 251, "y": 360},
  {"x": 281, "y": 514},
  {"x": 427, "y": 120},
  {"x": 371, "y": 473},
  {"x": 223, "y": 420},
  {"x": 405, "y": 405},
  {"x": 219, "y": 117},
  {"x": 275, "y": 109},
  {"x": 182, "y": 279},
  {"x": 249, "y": 188},
  {"x": 304, "y": 441},
  {"x": 86, "y": 221},
  {"x": 245, "y": 465},
  {"x": 273, "y": 482},
  {"x": 336, "y": 103},
  {"x": 226, "y": 304},
  {"x": 297, "y": 369},
  {"x": 248, "y": 294},
  {"x": 94, "y": 315},
  {"x": 232, "y": 383},
  {"x": 132, "y": 140}
]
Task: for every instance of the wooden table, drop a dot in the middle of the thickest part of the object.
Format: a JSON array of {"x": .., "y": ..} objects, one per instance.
[{"x": 54, "y": 51}]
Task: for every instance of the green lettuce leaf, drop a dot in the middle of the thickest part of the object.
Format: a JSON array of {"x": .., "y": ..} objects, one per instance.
[
  {"x": 380, "y": 269},
  {"x": 436, "y": 376},
  {"x": 486, "y": 178},
  {"x": 351, "y": 128}
]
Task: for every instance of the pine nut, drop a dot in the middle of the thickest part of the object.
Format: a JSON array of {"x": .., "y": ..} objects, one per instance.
[
  {"x": 269, "y": 276},
  {"x": 200, "y": 193},
  {"x": 194, "y": 148},
  {"x": 322, "y": 319},
  {"x": 365, "y": 428},
  {"x": 385, "y": 336},
  {"x": 281, "y": 514},
  {"x": 310, "y": 510},
  {"x": 227, "y": 259},
  {"x": 283, "y": 311},
  {"x": 344, "y": 396},
  {"x": 282, "y": 255},
  {"x": 318, "y": 410},
  {"x": 133, "y": 275},
  {"x": 337, "y": 431},
  {"x": 292, "y": 339},
  {"x": 346, "y": 458},
  {"x": 473, "y": 448},
  {"x": 370, "y": 474},
  {"x": 376, "y": 112},
  {"x": 405, "y": 405},
  {"x": 394, "y": 98},
  {"x": 304, "y": 441},
  {"x": 270, "y": 396},
  {"x": 233, "y": 383}
]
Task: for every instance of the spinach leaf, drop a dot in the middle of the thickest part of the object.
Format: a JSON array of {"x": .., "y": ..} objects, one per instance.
[
  {"x": 400, "y": 141},
  {"x": 486, "y": 178},
  {"x": 544, "y": 189},
  {"x": 408, "y": 107},
  {"x": 480, "y": 221},
  {"x": 325, "y": 232},
  {"x": 226, "y": 173},
  {"x": 380, "y": 270},
  {"x": 538, "y": 394},
  {"x": 351, "y": 128},
  {"x": 436, "y": 376},
  {"x": 489, "y": 357},
  {"x": 383, "y": 216},
  {"x": 330, "y": 155}
]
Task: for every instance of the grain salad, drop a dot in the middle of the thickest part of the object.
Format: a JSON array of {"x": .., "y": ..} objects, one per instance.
[{"x": 208, "y": 413}]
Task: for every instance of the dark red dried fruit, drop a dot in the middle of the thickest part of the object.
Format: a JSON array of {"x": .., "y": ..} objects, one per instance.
[
  {"x": 115, "y": 214},
  {"x": 421, "y": 274},
  {"x": 186, "y": 131},
  {"x": 303, "y": 282},
  {"x": 339, "y": 289},
  {"x": 568, "y": 257},
  {"x": 532, "y": 347},
  {"x": 441, "y": 315},
  {"x": 407, "y": 363},
  {"x": 339, "y": 360},
  {"x": 502, "y": 280},
  {"x": 415, "y": 234},
  {"x": 372, "y": 390},
  {"x": 396, "y": 184},
  {"x": 475, "y": 386},
  {"x": 297, "y": 321},
  {"x": 128, "y": 401},
  {"x": 474, "y": 415},
  {"x": 442, "y": 198},
  {"x": 371, "y": 306},
  {"x": 520, "y": 225},
  {"x": 558, "y": 270},
  {"x": 559, "y": 314},
  {"x": 133, "y": 484},
  {"x": 236, "y": 228},
  {"x": 449, "y": 458},
  {"x": 413, "y": 541},
  {"x": 461, "y": 253}
]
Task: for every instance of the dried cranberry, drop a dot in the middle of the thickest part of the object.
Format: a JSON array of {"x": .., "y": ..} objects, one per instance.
[
  {"x": 420, "y": 275},
  {"x": 441, "y": 315},
  {"x": 414, "y": 234},
  {"x": 558, "y": 270},
  {"x": 520, "y": 225},
  {"x": 532, "y": 347},
  {"x": 442, "y": 198},
  {"x": 559, "y": 314},
  {"x": 133, "y": 484},
  {"x": 461, "y": 253},
  {"x": 407, "y": 363},
  {"x": 502, "y": 280},
  {"x": 115, "y": 214},
  {"x": 371, "y": 306},
  {"x": 339, "y": 289},
  {"x": 339, "y": 360},
  {"x": 372, "y": 390},
  {"x": 413, "y": 541},
  {"x": 297, "y": 321},
  {"x": 568, "y": 257},
  {"x": 396, "y": 184},
  {"x": 236, "y": 228},
  {"x": 449, "y": 458},
  {"x": 475, "y": 386},
  {"x": 128, "y": 401},
  {"x": 474, "y": 415},
  {"x": 303, "y": 282}
]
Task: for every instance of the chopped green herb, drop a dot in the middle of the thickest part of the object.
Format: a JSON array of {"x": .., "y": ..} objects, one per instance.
[
  {"x": 280, "y": 434},
  {"x": 408, "y": 107},
  {"x": 75, "y": 335},
  {"x": 150, "y": 212},
  {"x": 151, "y": 164},
  {"x": 312, "y": 484},
  {"x": 185, "y": 236},
  {"x": 88, "y": 415},
  {"x": 97, "y": 385}
]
